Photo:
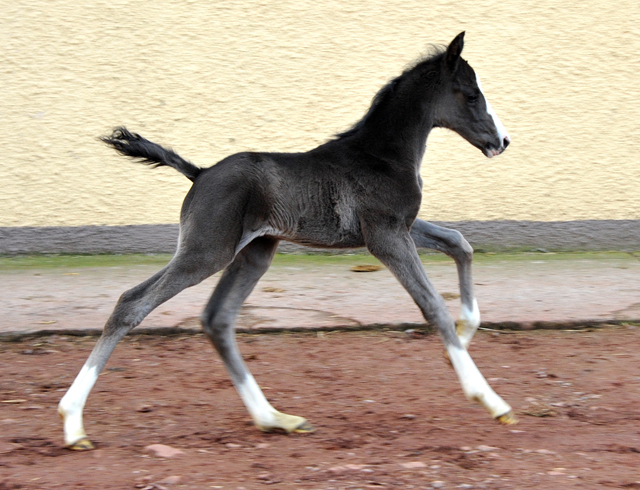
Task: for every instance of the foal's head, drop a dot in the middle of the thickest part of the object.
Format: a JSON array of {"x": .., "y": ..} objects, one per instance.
[{"x": 463, "y": 107}]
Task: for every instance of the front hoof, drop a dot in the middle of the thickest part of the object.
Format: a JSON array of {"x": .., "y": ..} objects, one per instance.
[
  {"x": 82, "y": 445},
  {"x": 304, "y": 428},
  {"x": 508, "y": 418}
]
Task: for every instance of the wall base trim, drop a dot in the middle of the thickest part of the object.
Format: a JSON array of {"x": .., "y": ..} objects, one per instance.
[{"x": 502, "y": 235}]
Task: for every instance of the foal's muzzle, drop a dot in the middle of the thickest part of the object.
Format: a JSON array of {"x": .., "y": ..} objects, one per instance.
[{"x": 490, "y": 150}]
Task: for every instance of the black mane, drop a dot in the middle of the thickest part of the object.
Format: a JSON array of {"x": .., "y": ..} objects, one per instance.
[{"x": 434, "y": 55}]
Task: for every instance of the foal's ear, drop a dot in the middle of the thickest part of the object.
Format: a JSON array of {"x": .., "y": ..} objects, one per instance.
[{"x": 454, "y": 50}]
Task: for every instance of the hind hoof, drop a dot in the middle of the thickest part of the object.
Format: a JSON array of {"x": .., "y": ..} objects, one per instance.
[
  {"x": 304, "y": 428},
  {"x": 82, "y": 445},
  {"x": 291, "y": 424},
  {"x": 508, "y": 418}
]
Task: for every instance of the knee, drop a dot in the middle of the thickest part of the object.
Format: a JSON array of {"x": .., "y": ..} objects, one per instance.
[
  {"x": 214, "y": 325},
  {"x": 467, "y": 249},
  {"x": 461, "y": 245}
]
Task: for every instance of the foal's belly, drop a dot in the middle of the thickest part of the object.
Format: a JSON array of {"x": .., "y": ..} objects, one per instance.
[
  {"x": 344, "y": 242},
  {"x": 316, "y": 235},
  {"x": 321, "y": 233}
]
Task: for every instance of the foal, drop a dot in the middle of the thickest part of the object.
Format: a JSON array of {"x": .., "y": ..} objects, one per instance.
[{"x": 363, "y": 188}]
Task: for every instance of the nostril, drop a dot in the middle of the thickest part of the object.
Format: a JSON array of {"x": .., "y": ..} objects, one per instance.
[{"x": 505, "y": 142}]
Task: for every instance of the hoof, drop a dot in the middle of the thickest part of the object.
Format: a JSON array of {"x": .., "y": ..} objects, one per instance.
[
  {"x": 508, "y": 418},
  {"x": 81, "y": 445},
  {"x": 291, "y": 424},
  {"x": 304, "y": 428}
]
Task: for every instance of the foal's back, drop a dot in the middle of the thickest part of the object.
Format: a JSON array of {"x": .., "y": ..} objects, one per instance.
[{"x": 315, "y": 198}]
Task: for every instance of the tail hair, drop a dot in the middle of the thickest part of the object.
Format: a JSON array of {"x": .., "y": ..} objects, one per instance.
[{"x": 135, "y": 146}]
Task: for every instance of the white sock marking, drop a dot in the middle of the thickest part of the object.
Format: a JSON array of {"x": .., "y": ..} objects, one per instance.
[
  {"x": 474, "y": 385},
  {"x": 72, "y": 404},
  {"x": 502, "y": 132},
  {"x": 263, "y": 414},
  {"x": 468, "y": 323},
  {"x": 261, "y": 411}
]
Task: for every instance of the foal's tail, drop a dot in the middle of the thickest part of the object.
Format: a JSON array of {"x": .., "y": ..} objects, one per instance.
[{"x": 134, "y": 145}]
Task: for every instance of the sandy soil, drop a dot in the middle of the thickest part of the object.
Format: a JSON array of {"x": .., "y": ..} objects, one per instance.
[{"x": 388, "y": 411}]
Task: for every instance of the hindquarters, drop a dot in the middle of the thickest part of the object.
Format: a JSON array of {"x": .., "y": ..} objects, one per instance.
[{"x": 220, "y": 208}]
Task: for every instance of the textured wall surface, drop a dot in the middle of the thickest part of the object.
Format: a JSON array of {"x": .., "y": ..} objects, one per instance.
[{"x": 212, "y": 78}]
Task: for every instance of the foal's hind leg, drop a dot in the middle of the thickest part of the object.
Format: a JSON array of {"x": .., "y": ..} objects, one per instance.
[
  {"x": 453, "y": 244},
  {"x": 133, "y": 306},
  {"x": 395, "y": 249},
  {"x": 219, "y": 320}
]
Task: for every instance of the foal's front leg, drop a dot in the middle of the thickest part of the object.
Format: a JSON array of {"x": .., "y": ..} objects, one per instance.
[
  {"x": 396, "y": 250},
  {"x": 218, "y": 321},
  {"x": 452, "y": 243}
]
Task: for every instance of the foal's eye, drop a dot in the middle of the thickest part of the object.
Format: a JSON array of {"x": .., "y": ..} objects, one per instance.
[{"x": 472, "y": 99}]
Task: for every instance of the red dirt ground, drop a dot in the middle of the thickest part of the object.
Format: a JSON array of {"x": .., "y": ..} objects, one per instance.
[{"x": 388, "y": 409}]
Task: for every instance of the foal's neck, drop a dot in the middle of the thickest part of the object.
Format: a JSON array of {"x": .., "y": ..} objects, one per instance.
[{"x": 397, "y": 130}]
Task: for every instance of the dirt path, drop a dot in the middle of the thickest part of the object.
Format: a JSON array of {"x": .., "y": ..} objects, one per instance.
[
  {"x": 387, "y": 407},
  {"x": 78, "y": 293}
]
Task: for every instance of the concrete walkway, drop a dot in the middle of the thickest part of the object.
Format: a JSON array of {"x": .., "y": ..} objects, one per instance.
[{"x": 323, "y": 292}]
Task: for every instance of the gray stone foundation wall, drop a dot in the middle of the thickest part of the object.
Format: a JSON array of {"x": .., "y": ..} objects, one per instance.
[{"x": 587, "y": 235}]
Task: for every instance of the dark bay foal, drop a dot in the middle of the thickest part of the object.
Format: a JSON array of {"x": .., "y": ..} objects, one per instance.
[{"x": 363, "y": 188}]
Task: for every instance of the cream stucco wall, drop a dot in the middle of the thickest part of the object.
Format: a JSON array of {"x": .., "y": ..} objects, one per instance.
[{"x": 210, "y": 78}]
